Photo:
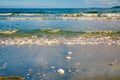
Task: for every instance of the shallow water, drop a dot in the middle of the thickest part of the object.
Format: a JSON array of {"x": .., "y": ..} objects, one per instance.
[
  {"x": 42, "y": 62},
  {"x": 75, "y": 25}
]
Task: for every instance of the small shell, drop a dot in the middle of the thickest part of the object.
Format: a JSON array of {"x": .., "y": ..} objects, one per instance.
[
  {"x": 69, "y": 53},
  {"x": 61, "y": 71},
  {"x": 68, "y": 58}
]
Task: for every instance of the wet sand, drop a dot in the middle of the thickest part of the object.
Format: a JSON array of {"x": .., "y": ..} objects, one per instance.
[{"x": 41, "y": 62}]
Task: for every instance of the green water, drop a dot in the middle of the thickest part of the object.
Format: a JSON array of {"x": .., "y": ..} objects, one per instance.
[{"x": 58, "y": 33}]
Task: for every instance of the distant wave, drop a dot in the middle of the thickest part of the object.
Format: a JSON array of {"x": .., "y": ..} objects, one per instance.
[
  {"x": 27, "y": 14},
  {"x": 20, "y": 14},
  {"x": 61, "y": 18},
  {"x": 78, "y": 16},
  {"x": 6, "y": 14},
  {"x": 90, "y": 14}
]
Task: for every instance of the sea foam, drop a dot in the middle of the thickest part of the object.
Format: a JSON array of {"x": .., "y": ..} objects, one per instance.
[
  {"x": 56, "y": 41},
  {"x": 78, "y": 16}
]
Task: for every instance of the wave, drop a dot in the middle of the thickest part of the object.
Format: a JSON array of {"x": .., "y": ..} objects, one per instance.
[
  {"x": 8, "y": 32},
  {"x": 56, "y": 41},
  {"x": 92, "y": 15},
  {"x": 89, "y": 14},
  {"x": 59, "y": 18},
  {"x": 78, "y": 16},
  {"x": 20, "y": 14},
  {"x": 24, "y": 14},
  {"x": 56, "y": 33},
  {"x": 50, "y": 37},
  {"x": 28, "y": 14},
  {"x": 6, "y": 14}
]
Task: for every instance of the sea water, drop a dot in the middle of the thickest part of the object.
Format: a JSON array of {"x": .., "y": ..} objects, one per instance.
[
  {"x": 34, "y": 43},
  {"x": 60, "y": 23}
]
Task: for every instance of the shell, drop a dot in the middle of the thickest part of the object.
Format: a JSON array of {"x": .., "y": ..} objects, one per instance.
[
  {"x": 61, "y": 71},
  {"x": 68, "y": 58},
  {"x": 69, "y": 53}
]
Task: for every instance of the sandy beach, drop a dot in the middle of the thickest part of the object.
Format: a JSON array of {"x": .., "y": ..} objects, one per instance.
[{"x": 42, "y": 62}]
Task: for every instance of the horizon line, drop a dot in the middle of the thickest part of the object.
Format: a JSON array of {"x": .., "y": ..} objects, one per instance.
[{"x": 56, "y": 7}]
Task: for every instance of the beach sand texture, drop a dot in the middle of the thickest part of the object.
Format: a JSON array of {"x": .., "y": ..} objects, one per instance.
[{"x": 101, "y": 62}]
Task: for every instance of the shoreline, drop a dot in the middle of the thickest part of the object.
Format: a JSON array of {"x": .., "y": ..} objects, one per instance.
[{"x": 52, "y": 41}]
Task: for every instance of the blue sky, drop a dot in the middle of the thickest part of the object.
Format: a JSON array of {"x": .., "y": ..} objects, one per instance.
[{"x": 58, "y": 3}]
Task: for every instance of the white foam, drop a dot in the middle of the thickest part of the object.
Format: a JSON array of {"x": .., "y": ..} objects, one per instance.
[
  {"x": 8, "y": 32},
  {"x": 57, "y": 41},
  {"x": 5, "y": 14},
  {"x": 64, "y": 18},
  {"x": 28, "y": 14},
  {"x": 111, "y": 15},
  {"x": 93, "y": 15},
  {"x": 90, "y": 15}
]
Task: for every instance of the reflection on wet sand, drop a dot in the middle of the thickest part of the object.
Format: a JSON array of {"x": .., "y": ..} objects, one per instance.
[{"x": 49, "y": 62}]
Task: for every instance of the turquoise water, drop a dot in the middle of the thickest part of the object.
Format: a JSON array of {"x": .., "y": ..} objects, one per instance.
[
  {"x": 59, "y": 10},
  {"x": 59, "y": 28},
  {"x": 75, "y": 25},
  {"x": 35, "y": 19},
  {"x": 52, "y": 24}
]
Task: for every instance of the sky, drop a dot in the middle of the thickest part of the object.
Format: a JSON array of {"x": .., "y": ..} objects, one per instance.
[{"x": 58, "y": 3}]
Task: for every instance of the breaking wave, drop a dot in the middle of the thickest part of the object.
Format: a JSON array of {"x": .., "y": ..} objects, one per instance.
[
  {"x": 56, "y": 33},
  {"x": 77, "y": 16},
  {"x": 50, "y": 37},
  {"x": 68, "y": 15}
]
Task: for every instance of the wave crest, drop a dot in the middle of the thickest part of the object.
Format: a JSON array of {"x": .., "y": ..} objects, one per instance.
[
  {"x": 57, "y": 33},
  {"x": 8, "y": 31}
]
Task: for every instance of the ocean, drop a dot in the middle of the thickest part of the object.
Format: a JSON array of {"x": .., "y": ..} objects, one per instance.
[
  {"x": 55, "y": 23},
  {"x": 65, "y": 19},
  {"x": 36, "y": 42}
]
